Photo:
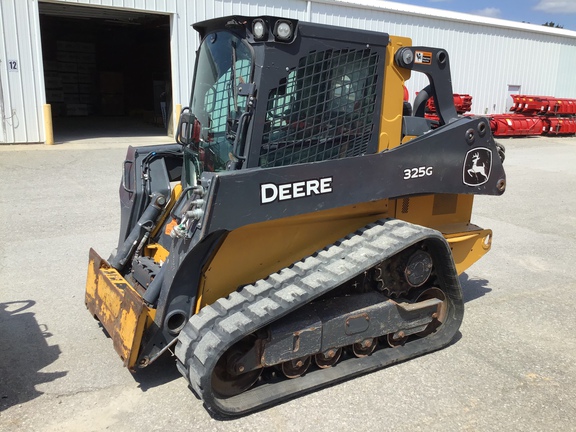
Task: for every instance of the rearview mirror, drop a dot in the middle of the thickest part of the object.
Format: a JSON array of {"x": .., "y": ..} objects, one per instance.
[{"x": 188, "y": 132}]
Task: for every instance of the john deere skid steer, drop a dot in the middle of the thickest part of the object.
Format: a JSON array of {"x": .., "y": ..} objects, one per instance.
[{"x": 308, "y": 226}]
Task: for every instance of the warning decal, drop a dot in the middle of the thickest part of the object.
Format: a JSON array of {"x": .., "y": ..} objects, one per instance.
[{"x": 423, "y": 57}]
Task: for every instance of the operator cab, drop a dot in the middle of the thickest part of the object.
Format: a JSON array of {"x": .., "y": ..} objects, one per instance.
[{"x": 266, "y": 94}]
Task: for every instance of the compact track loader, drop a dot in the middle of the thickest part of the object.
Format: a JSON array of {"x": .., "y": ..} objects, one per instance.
[{"x": 308, "y": 226}]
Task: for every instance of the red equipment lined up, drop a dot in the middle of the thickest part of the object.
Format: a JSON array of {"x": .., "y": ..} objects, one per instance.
[
  {"x": 531, "y": 115},
  {"x": 559, "y": 126},
  {"x": 462, "y": 102},
  {"x": 536, "y": 115},
  {"x": 543, "y": 105},
  {"x": 515, "y": 125}
]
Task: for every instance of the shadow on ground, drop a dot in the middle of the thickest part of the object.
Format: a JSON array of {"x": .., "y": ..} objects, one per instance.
[
  {"x": 77, "y": 128},
  {"x": 473, "y": 288},
  {"x": 25, "y": 351},
  {"x": 162, "y": 371}
]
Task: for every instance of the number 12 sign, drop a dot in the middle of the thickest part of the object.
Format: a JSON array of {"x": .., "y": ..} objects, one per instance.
[{"x": 12, "y": 65}]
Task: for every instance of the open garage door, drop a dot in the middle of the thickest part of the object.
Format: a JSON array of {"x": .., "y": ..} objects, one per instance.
[{"x": 107, "y": 72}]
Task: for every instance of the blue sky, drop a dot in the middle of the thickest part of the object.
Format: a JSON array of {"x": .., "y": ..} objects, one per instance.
[{"x": 561, "y": 12}]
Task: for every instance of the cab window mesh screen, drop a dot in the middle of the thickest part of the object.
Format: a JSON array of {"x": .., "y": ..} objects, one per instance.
[{"x": 322, "y": 110}]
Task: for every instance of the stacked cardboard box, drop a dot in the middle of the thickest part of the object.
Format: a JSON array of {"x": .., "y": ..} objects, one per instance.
[{"x": 70, "y": 79}]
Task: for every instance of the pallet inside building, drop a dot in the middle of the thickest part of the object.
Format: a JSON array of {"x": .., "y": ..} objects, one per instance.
[{"x": 70, "y": 77}]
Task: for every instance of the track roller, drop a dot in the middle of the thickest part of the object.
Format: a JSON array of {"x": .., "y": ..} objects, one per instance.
[
  {"x": 365, "y": 348},
  {"x": 328, "y": 358},
  {"x": 296, "y": 368}
]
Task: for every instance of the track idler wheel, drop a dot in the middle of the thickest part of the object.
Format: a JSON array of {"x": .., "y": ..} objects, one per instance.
[
  {"x": 226, "y": 383},
  {"x": 328, "y": 358},
  {"x": 365, "y": 348}
]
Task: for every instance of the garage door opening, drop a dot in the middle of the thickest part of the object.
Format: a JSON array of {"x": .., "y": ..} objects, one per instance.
[{"x": 107, "y": 72}]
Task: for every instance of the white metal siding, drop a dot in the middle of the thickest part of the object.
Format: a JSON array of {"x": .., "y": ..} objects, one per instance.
[
  {"x": 191, "y": 12},
  {"x": 485, "y": 56},
  {"x": 22, "y": 90},
  {"x": 484, "y": 59}
]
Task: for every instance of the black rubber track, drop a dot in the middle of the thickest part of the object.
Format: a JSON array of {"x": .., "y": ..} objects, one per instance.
[{"x": 208, "y": 334}]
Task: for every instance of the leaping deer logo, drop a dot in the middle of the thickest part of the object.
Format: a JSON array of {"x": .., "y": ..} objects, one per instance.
[{"x": 476, "y": 168}]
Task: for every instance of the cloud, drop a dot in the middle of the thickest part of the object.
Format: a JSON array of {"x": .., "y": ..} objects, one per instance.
[
  {"x": 489, "y": 12},
  {"x": 556, "y": 6}
]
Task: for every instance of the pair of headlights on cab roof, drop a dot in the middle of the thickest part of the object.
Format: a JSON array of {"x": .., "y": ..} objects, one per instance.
[{"x": 283, "y": 30}]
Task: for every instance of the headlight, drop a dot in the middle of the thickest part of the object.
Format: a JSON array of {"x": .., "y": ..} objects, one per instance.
[
  {"x": 259, "y": 29},
  {"x": 283, "y": 30}
]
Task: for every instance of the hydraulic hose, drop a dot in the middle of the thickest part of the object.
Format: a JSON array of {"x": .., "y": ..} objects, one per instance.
[
  {"x": 153, "y": 291},
  {"x": 420, "y": 101},
  {"x": 149, "y": 217}
]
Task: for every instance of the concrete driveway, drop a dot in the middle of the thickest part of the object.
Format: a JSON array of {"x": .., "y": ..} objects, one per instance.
[{"x": 513, "y": 367}]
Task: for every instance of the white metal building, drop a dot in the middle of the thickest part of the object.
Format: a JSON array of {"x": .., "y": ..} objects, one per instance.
[{"x": 88, "y": 57}]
